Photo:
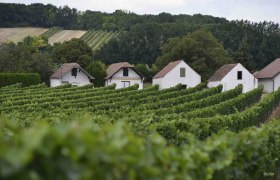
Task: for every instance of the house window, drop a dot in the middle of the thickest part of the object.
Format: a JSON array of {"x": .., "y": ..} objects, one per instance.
[
  {"x": 125, "y": 71},
  {"x": 239, "y": 75},
  {"x": 125, "y": 84},
  {"x": 74, "y": 71},
  {"x": 65, "y": 82},
  {"x": 182, "y": 72}
]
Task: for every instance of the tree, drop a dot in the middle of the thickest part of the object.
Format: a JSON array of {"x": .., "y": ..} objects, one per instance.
[
  {"x": 144, "y": 70},
  {"x": 30, "y": 55},
  {"x": 98, "y": 70},
  {"x": 42, "y": 64},
  {"x": 244, "y": 55},
  {"x": 200, "y": 49},
  {"x": 75, "y": 50},
  {"x": 147, "y": 71}
]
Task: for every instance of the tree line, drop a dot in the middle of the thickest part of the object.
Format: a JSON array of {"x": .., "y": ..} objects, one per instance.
[{"x": 152, "y": 41}]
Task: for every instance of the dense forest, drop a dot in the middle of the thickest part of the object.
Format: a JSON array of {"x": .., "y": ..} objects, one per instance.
[{"x": 143, "y": 37}]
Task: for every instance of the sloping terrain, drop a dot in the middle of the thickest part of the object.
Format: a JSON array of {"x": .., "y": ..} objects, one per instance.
[
  {"x": 18, "y": 34},
  {"x": 95, "y": 39},
  {"x": 65, "y": 35}
]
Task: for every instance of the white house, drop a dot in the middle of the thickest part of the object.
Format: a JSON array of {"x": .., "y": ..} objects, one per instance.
[
  {"x": 269, "y": 76},
  {"x": 231, "y": 75},
  {"x": 123, "y": 75},
  {"x": 71, "y": 73},
  {"x": 177, "y": 72}
]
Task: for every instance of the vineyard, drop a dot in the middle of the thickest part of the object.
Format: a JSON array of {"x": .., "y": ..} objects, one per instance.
[
  {"x": 95, "y": 39},
  {"x": 61, "y": 36},
  {"x": 102, "y": 133},
  {"x": 51, "y": 32}
]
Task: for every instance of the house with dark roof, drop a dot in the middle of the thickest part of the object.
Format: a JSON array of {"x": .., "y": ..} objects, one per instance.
[
  {"x": 177, "y": 72},
  {"x": 70, "y": 73},
  {"x": 269, "y": 76},
  {"x": 123, "y": 75},
  {"x": 231, "y": 75}
]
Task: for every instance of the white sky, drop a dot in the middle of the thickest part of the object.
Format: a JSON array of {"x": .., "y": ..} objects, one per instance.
[{"x": 253, "y": 10}]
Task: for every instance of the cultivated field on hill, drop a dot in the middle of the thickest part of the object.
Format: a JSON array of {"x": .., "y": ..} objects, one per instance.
[
  {"x": 95, "y": 39},
  {"x": 18, "y": 34},
  {"x": 195, "y": 133},
  {"x": 65, "y": 35}
]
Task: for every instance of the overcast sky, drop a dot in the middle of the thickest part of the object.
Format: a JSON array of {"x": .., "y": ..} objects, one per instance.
[{"x": 254, "y": 10}]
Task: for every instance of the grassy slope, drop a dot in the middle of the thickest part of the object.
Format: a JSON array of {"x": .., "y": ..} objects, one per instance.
[
  {"x": 94, "y": 38},
  {"x": 18, "y": 34}
]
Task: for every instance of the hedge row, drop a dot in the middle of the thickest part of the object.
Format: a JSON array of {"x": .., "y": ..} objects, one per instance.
[
  {"x": 231, "y": 106},
  {"x": 26, "y": 79},
  {"x": 85, "y": 150},
  {"x": 202, "y": 128}
]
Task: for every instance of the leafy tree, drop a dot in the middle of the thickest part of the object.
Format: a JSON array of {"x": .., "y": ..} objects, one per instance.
[
  {"x": 98, "y": 70},
  {"x": 200, "y": 49},
  {"x": 244, "y": 55},
  {"x": 143, "y": 35},
  {"x": 75, "y": 50},
  {"x": 144, "y": 70},
  {"x": 84, "y": 60},
  {"x": 147, "y": 71},
  {"x": 42, "y": 64},
  {"x": 31, "y": 55}
]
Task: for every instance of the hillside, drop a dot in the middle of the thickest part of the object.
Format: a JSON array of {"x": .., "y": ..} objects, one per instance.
[
  {"x": 142, "y": 36},
  {"x": 18, "y": 34},
  {"x": 65, "y": 35},
  {"x": 95, "y": 39}
]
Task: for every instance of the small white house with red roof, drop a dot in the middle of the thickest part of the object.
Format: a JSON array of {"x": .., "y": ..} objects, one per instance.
[
  {"x": 177, "y": 72},
  {"x": 123, "y": 75},
  {"x": 231, "y": 75},
  {"x": 70, "y": 73},
  {"x": 269, "y": 76}
]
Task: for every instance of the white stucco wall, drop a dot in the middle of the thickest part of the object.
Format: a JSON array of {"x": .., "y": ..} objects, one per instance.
[
  {"x": 172, "y": 78},
  {"x": 120, "y": 84},
  {"x": 213, "y": 84},
  {"x": 80, "y": 80},
  {"x": 276, "y": 82},
  {"x": 269, "y": 83},
  {"x": 230, "y": 81},
  {"x": 158, "y": 81},
  {"x": 118, "y": 79}
]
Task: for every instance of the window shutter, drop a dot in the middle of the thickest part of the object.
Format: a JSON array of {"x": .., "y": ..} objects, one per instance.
[{"x": 182, "y": 72}]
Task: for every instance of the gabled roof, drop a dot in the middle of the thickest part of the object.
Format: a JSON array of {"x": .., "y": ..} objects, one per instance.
[
  {"x": 270, "y": 70},
  {"x": 222, "y": 72},
  {"x": 167, "y": 69},
  {"x": 65, "y": 68},
  {"x": 114, "y": 68}
]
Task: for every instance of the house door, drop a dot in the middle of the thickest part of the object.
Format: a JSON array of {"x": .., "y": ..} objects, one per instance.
[{"x": 126, "y": 83}]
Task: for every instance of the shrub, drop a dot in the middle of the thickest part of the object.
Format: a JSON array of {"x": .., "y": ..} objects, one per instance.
[{"x": 26, "y": 79}]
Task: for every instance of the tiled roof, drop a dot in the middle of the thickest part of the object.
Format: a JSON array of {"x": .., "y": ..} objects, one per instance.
[
  {"x": 167, "y": 69},
  {"x": 114, "y": 68},
  {"x": 222, "y": 72},
  {"x": 66, "y": 68},
  {"x": 270, "y": 70}
]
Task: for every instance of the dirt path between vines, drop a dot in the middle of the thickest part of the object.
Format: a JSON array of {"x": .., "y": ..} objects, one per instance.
[{"x": 275, "y": 114}]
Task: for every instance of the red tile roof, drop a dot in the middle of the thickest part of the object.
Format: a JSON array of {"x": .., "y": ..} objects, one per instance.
[
  {"x": 66, "y": 67},
  {"x": 222, "y": 72},
  {"x": 167, "y": 69},
  {"x": 270, "y": 70},
  {"x": 114, "y": 68}
]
